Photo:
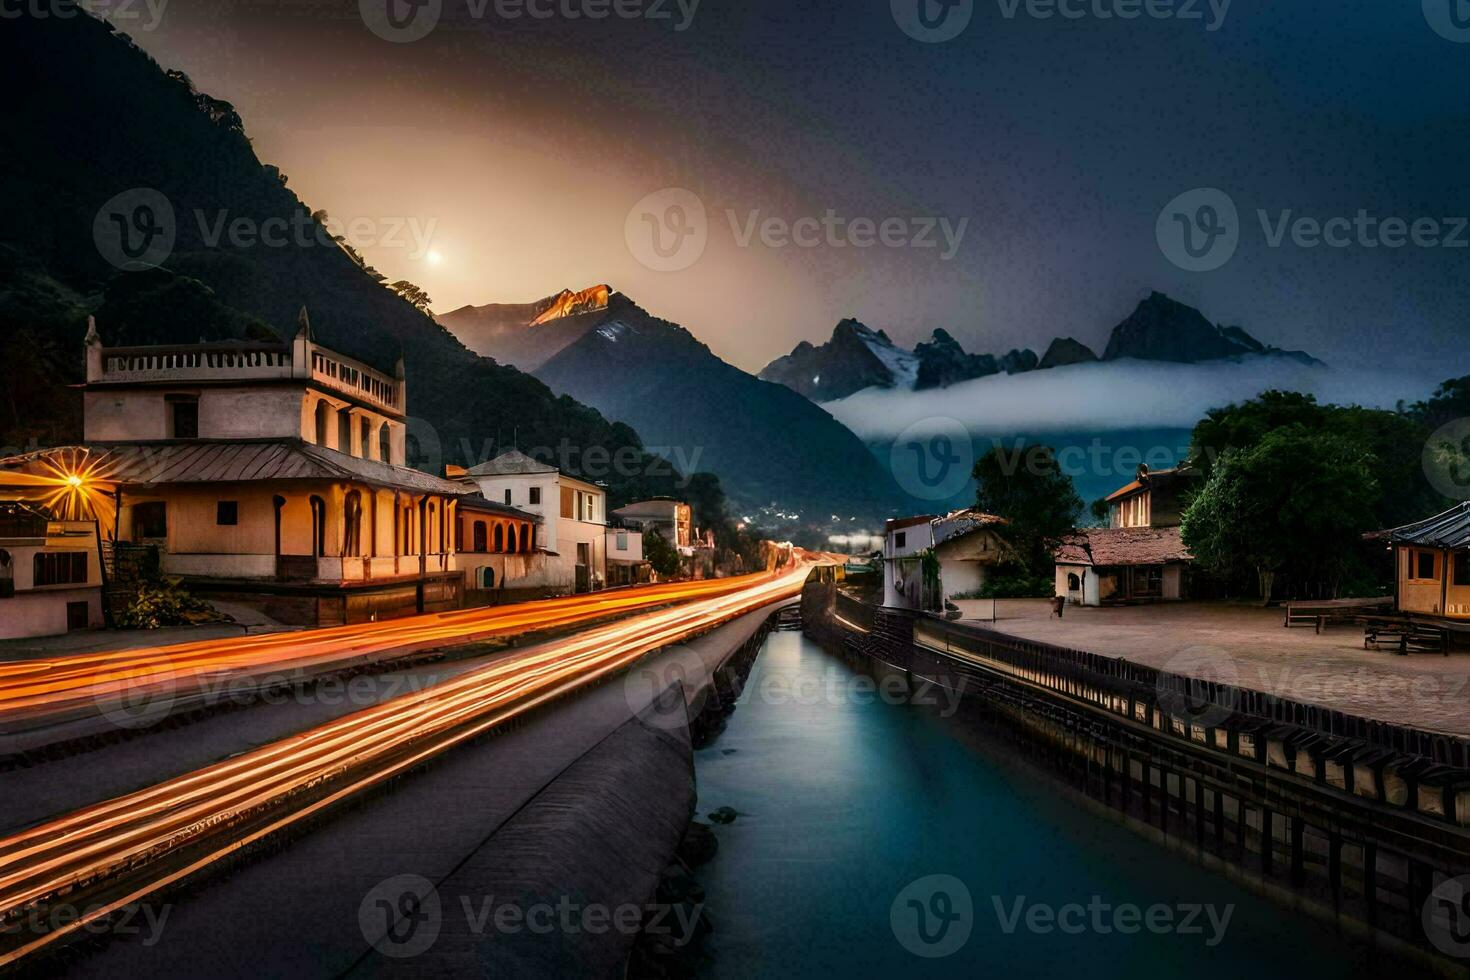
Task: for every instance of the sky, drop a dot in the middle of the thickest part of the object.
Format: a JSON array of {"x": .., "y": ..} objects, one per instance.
[{"x": 758, "y": 169}]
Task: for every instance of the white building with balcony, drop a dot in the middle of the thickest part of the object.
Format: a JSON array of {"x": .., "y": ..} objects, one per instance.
[{"x": 270, "y": 472}]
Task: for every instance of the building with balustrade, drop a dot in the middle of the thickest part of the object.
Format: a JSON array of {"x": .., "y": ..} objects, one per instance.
[{"x": 273, "y": 473}]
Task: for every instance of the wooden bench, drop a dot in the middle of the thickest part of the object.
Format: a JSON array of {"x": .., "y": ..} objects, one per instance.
[
  {"x": 1329, "y": 612},
  {"x": 1404, "y": 635}
]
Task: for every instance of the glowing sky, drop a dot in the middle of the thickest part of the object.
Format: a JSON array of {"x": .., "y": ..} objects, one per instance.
[{"x": 516, "y": 148}]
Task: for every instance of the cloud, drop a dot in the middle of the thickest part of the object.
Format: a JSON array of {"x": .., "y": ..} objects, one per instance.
[{"x": 1115, "y": 395}]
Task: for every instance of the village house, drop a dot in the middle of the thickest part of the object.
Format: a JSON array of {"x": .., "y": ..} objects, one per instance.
[
  {"x": 267, "y": 473},
  {"x": 573, "y": 529},
  {"x": 50, "y": 570},
  {"x": 1140, "y": 556},
  {"x": 671, "y": 518},
  {"x": 1432, "y": 559},
  {"x": 905, "y": 585}
]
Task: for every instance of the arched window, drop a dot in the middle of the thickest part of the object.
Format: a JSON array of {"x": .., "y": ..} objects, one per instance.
[
  {"x": 479, "y": 536},
  {"x": 500, "y": 537},
  {"x": 365, "y": 434},
  {"x": 385, "y": 443},
  {"x": 510, "y": 544},
  {"x": 526, "y": 537},
  {"x": 344, "y": 431},
  {"x": 318, "y": 526},
  {"x": 352, "y": 524},
  {"x": 323, "y": 415},
  {"x": 7, "y": 575},
  {"x": 278, "y": 502},
  {"x": 1073, "y": 582}
]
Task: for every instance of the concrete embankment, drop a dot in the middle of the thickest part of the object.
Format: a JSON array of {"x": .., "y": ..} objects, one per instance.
[{"x": 538, "y": 850}]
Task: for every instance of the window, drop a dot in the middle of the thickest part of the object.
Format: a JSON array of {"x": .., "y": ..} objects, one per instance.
[
  {"x": 622, "y": 540},
  {"x": 76, "y": 615},
  {"x": 1421, "y": 565},
  {"x": 535, "y": 495},
  {"x": 227, "y": 513},
  {"x": 499, "y": 537},
  {"x": 344, "y": 431},
  {"x": 150, "y": 520},
  {"x": 365, "y": 431},
  {"x": 901, "y": 539},
  {"x": 1462, "y": 568},
  {"x": 352, "y": 524},
  {"x": 481, "y": 539},
  {"x": 507, "y": 495},
  {"x": 61, "y": 568},
  {"x": 1074, "y": 584},
  {"x": 183, "y": 417},
  {"x": 7, "y": 575},
  {"x": 385, "y": 443},
  {"x": 322, "y": 411}
]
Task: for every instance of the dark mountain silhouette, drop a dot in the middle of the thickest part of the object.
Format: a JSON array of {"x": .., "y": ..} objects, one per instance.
[
  {"x": 1159, "y": 329},
  {"x": 768, "y": 444},
  {"x": 98, "y": 118}
]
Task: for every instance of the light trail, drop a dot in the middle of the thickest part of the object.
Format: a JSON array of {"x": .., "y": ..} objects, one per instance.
[
  {"x": 165, "y": 832},
  {"x": 31, "y": 689}
]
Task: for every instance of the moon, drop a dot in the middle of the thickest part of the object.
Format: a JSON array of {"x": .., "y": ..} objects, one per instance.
[{"x": 434, "y": 257}]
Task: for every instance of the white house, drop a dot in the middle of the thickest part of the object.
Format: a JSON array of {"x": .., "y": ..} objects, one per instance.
[
  {"x": 573, "y": 512},
  {"x": 904, "y": 542},
  {"x": 50, "y": 570},
  {"x": 271, "y": 472}
]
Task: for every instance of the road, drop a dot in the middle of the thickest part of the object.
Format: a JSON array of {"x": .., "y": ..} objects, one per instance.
[
  {"x": 35, "y": 692},
  {"x": 106, "y": 855}
]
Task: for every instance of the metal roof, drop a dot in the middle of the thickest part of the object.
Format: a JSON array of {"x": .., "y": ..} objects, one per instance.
[
  {"x": 236, "y": 461},
  {"x": 1449, "y": 530},
  {"x": 478, "y": 503},
  {"x": 511, "y": 463}
]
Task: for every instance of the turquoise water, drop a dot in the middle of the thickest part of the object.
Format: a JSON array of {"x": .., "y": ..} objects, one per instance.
[{"x": 845, "y": 801}]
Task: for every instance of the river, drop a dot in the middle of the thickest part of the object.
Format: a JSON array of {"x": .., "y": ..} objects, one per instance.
[{"x": 847, "y": 799}]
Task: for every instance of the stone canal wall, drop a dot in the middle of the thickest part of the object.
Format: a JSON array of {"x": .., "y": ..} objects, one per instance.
[{"x": 1349, "y": 818}]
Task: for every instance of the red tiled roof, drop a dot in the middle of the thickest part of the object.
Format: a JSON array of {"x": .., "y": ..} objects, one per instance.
[{"x": 1106, "y": 546}]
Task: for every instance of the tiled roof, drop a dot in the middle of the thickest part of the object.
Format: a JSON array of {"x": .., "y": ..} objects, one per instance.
[
  {"x": 963, "y": 522},
  {"x": 206, "y": 461},
  {"x": 513, "y": 462},
  {"x": 1105, "y": 546},
  {"x": 1450, "y": 529}
]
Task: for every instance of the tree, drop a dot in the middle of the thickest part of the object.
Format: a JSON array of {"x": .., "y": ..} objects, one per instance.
[
  {"x": 1028, "y": 489},
  {"x": 412, "y": 294},
  {"x": 662, "y": 555},
  {"x": 1292, "y": 506}
]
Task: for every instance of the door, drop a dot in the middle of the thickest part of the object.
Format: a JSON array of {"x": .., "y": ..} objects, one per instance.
[{"x": 584, "y": 567}]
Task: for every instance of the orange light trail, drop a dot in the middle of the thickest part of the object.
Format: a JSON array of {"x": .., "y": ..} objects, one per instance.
[
  {"x": 209, "y": 810},
  {"x": 39, "y": 689}
]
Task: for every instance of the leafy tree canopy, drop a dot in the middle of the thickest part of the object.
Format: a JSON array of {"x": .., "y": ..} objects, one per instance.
[{"x": 1028, "y": 489}]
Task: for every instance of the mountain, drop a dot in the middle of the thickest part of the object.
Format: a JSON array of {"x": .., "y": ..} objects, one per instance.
[
  {"x": 943, "y": 362},
  {"x": 527, "y": 334},
  {"x": 101, "y": 119},
  {"x": 767, "y": 443},
  {"x": 855, "y": 358},
  {"x": 1064, "y": 351}
]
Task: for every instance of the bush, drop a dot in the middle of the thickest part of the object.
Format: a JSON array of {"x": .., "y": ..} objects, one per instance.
[
  {"x": 1017, "y": 584},
  {"x": 165, "y": 603}
]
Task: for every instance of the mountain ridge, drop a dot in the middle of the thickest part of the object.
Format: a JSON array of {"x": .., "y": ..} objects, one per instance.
[{"x": 1159, "y": 329}]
